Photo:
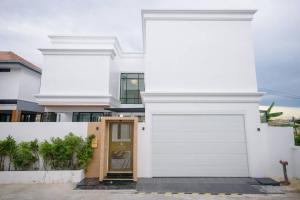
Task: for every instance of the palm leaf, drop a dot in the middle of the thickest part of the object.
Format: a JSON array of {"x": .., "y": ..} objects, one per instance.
[
  {"x": 275, "y": 114},
  {"x": 270, "y": 107}
]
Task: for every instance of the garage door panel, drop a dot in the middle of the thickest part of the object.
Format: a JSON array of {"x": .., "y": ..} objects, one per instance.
[
  {"x": 201, "y": 160},
  {"x": 207, "y": 171},
  {"x": 199, "y": 145},
  {"x": 199, "y": 148},
  {"x": 184, "y": 136},
  {"x": 188, "y": 123}
]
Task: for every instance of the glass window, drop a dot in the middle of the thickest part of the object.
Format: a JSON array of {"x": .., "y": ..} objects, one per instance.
[
  {"x": 131, "y": 86},
  {"x": 27, "y": 116},
  {"x": 49, "y": 117},
  {"x": 5, "y": 116},
  {"x": 88, "y": 116}
]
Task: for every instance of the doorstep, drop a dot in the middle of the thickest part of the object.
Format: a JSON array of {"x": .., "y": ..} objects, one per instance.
[{"x": 109, "y": 184}]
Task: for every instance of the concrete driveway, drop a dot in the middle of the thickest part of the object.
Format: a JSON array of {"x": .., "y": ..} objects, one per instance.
[{"x": 65, "y": 191}]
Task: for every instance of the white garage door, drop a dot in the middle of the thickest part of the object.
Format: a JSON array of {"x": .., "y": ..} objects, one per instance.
[{"x": 199, "y": 145}]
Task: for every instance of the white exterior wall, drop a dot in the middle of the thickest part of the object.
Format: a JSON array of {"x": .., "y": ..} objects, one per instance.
[
  {"x": 25, "y": 131},
  {"x": 296, "y": 160},
  {"x": 143, "y": 150},
  {"x": 198, "y": 51},
  {"x": 132, "y": 63},
  {"x": 75, "y": 74},
  {"x": 20, "y": 83},
  {"x": 275, "y": 144},
  {"x": 114, "y": 79},
  {"x": 9, "y": 84},
  {"x": 202, "y": 62},
  {"x": 29, "y": 85},
  {"x": 83, "y": 70}
]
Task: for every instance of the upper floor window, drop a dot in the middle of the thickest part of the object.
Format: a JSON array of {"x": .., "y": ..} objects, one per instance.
[{"x": 131, "y": 86}]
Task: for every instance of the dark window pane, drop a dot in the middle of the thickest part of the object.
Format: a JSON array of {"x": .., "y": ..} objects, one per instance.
[
  {"x": 133, "y": 76},
  {"x": 131, "y": 85},
  {"x": 141, "y": 85},
  {"x": 5, "y": 116},
  {"x": 4, "y": 69},
  {"x": 131, "y": 94},
  {"x": 96, "y": 117},
  {"x": 123, "y": 75},
  {"x": 123, "y": 88},
  {"x": 84, "y": 117},
  {"x": 49, "y": 117}
]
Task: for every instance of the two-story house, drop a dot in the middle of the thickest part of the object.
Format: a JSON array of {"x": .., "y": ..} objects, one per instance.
[{"x": 197, "y": 80}]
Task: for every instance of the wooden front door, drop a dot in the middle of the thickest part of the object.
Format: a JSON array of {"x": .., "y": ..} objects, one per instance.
[{"x": 120, "y": 147}]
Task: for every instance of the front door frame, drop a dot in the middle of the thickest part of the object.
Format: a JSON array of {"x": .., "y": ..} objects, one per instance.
[{"x": 104, "y": 144}]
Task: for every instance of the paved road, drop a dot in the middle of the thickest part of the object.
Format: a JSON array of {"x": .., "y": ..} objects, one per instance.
[{"x": 65, "y": 191}]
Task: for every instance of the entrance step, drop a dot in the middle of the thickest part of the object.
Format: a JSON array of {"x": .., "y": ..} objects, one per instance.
[
  {"x": 119, "y": 175},
  {"x": 94, "y": 184}
]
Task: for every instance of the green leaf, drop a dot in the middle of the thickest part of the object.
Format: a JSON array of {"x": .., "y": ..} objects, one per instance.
[
  {"x": 275, "y": 114},
  {"x": 270, "y": 107}
]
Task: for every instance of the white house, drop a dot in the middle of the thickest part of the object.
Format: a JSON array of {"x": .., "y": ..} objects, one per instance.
[
  {"x": 19, "y": 81},
  {"x": 197, "y": 80}
]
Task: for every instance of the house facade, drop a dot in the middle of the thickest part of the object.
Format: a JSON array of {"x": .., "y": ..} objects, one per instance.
[
  {"x": 19, "y": 81},
  {"x": 195, "y": 84}
]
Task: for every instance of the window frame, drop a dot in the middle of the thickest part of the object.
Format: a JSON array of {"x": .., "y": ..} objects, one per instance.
[{"x": 123, "y": 92}]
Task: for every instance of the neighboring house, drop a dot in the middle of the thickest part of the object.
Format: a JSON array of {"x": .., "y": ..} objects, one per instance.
[
  {"x": 19, "y": 81},
  {"x": 197, "y": 80}
]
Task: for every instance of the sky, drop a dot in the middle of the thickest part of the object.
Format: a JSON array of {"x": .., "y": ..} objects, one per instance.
[{"x": 26, "y": 24}]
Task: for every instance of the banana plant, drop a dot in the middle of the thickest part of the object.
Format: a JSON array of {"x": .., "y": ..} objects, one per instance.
[{"x": 269, "y": 114}]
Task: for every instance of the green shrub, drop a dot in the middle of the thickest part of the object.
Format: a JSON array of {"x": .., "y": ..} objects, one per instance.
[
  {"x": 9, "y": 147},
  {"x": 25, "y": 156},
  {"x": 71, "y": 153},
  {"x": 297, "y": 140},
  {"x": 46, "y": 152},
  {"x": 2, "y": 154},
  {"x": 86, "y": 153}
]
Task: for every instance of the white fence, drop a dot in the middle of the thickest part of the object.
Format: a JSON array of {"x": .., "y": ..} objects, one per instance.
[
  {"x": 296, "y": 160},
  {"x": 27, "y": 177},
  {"x": 274, "y": 144},
  {"x": 23, "y": 131},
  {"x": 277, "y": 143}
]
